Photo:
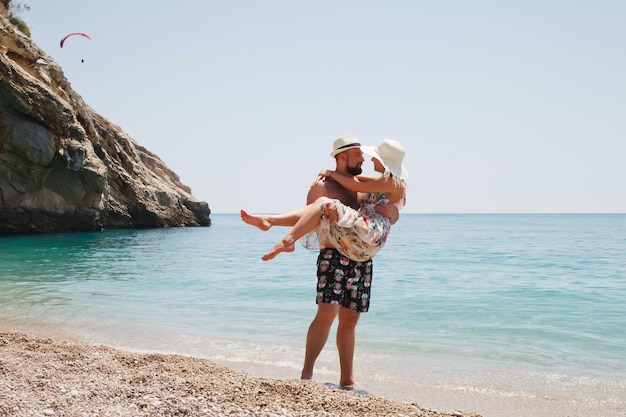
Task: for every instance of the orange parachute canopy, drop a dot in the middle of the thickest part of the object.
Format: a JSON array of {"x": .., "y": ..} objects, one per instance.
[{"x": 73, "y": 34}]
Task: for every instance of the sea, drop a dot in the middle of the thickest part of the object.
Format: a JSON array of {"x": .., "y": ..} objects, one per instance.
[{"x": 486, "y": 313}]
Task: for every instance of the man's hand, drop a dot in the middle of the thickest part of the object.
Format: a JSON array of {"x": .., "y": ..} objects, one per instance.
[{"x": 388, "y": 210}]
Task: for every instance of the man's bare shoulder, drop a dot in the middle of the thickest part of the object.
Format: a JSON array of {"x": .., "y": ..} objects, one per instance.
[{"x": 318, "y": 189}]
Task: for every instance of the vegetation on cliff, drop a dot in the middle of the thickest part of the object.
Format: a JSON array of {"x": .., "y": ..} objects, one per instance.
[{"x": 11, "y": 9}]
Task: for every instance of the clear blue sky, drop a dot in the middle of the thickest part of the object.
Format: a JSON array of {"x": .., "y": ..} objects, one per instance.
[{"x": 503, "y": 106}]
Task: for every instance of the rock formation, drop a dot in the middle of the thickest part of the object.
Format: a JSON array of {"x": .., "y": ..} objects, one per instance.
[{"x": 63, "y": 167}]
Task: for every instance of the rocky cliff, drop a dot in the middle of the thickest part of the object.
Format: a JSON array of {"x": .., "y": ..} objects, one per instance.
[{"x": 63, "y": 167}]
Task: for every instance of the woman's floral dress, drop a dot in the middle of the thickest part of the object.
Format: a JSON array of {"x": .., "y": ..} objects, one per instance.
[{"x": 357, "y": 234}]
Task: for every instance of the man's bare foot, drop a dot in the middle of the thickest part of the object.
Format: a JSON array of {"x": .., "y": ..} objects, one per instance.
[
  {"x": 306, "y": 375},
  {"x": 282, "y": 246},
  {"x": 255, "y": 220},
  {"x": 347, "y": 384}
]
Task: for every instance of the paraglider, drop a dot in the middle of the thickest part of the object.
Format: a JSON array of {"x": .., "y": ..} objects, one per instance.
[{"x": 73, "y": 34}]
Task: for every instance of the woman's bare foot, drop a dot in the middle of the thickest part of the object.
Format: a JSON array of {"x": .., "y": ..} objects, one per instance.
[
  {"x": 282, "y": 246},
  {"x": 255, "y": 220}
]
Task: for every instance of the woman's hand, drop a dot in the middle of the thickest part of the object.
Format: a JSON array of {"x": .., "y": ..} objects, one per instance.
[{"x": 326, "y": 173}]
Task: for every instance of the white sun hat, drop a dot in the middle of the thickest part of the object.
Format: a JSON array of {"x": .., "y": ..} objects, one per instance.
[{"x": 390, "y": 153}]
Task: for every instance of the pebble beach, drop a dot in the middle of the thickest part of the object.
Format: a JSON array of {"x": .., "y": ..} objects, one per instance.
[{"x": 47, "y": 377}]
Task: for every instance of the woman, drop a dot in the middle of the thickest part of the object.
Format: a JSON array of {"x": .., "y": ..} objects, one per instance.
[{"x": 361, "y": 233}]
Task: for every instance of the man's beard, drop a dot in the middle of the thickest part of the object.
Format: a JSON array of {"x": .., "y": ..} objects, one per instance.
[{"x": 354, "y": 170}]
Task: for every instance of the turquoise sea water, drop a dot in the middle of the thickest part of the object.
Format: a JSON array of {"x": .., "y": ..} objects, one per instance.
[{"x": 507, "y": 305}]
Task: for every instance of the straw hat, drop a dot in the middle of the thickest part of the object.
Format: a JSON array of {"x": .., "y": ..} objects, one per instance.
[
  {"x": 344, "y": 143},
  {"x": 390, "y": 153}
]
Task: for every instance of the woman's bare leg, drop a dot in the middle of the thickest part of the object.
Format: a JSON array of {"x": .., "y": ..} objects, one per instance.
[
  {"x": 266, "y": 221},
  {"x": 309, "y": 218},
  {"x": 259, "y": 220}
]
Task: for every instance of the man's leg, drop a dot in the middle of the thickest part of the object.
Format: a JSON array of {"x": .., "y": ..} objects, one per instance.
[
  {"x": 317, "y": 335},
  {"x": 346, "y": 335}
]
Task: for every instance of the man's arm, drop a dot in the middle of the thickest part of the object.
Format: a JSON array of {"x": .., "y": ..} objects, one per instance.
[{"x": 388, "y": 210}]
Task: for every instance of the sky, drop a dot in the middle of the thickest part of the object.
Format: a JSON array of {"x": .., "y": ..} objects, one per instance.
[{"x": 502, "y": 106}]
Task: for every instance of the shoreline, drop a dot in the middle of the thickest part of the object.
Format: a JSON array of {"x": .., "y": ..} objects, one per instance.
[
  {"x": 43, "y": 376},
  {"x": 383, "y": 398}
]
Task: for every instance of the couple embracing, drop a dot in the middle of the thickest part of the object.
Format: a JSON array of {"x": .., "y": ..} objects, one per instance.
[{"x": 348, "y": 217}]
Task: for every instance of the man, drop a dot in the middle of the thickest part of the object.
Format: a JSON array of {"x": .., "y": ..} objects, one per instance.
[{"x": 349, "y": 299}]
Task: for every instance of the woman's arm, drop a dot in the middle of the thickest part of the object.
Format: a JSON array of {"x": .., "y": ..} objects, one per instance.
[{"x": 368, "y": 185}]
